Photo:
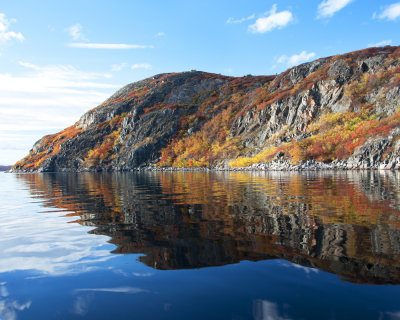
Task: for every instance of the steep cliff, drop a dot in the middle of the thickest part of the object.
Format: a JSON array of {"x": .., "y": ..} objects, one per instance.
[{"x": 340, "y": 108}]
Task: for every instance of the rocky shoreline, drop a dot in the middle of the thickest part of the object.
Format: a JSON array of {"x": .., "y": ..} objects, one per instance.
[
  {"x": 277, "y": 165},
  {"x": 285, "y": 165}
]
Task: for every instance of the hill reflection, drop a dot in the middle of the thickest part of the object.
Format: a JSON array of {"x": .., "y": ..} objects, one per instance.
[{"x": 346, "y": 223}]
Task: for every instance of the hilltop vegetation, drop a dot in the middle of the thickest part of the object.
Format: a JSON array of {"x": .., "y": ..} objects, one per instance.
[{"x": 342, "y": 107}]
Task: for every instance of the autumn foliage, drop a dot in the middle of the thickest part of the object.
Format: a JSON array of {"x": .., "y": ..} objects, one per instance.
[
  {"x": 51, "y": 145},
  {"x": 102, "y": 152}
]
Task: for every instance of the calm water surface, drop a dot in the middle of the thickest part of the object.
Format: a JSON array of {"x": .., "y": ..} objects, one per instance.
[{"x": 200, "y": 246}]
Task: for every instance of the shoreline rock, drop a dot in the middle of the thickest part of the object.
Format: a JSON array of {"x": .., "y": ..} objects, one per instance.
[{"x": 277, "y": 165}]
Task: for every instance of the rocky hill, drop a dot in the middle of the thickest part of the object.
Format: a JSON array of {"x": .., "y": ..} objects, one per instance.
[{"x": 342, "y": 110}]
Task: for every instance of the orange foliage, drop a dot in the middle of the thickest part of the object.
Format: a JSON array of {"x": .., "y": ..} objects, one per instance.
[
  {"x": 102, "y": 152},
  {"x": 51, "y": 145},
  {"x": 342, "y": 140}
]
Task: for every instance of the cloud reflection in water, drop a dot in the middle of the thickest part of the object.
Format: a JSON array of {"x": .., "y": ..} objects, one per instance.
[
  {"x": 9, "y": 307},
  {"x": 44, "y": 242},
  {"x": 266, "y": 310}
]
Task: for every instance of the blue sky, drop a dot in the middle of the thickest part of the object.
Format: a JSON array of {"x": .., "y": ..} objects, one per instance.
[{"x": 60, "y": 59}]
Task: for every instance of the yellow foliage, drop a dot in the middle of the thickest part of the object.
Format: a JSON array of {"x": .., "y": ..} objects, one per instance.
[
  {"x": 241, "y": 162},
  {"x": 263, "y": 156}
]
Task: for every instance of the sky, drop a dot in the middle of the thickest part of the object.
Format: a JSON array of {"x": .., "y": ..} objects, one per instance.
[{"x": 58, "y": 59}]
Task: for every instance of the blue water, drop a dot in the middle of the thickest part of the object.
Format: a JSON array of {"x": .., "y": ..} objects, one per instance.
[{"x": 200, "y": 246}]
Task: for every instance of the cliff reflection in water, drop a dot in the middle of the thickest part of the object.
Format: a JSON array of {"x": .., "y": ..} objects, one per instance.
[{"x": 346, "y": 223}]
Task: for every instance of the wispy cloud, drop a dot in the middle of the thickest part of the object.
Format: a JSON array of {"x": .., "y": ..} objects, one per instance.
[
  {"x": 76, "y": 33},
  {"x": 46, "y": 98},
  {"x": 5, "y": 33},
  {"x": 123, "y": 65},
  {"x": 273, "y": 20},
  {"x": 381, "y": 43},
  {"x": 328, "y": 8},
  {"x": 233, "y": 20},
  {"x": 119, "y": 66},
  {"x": 390, "y": 13},
  {"x": 110, "y": 46},
  {"x": 296, "y": 58},
  {"x": 141, "y": 66},
  {"x": 28, "y": 65},
  {"x": 160, "y": 34},
  {"x": 66, "y": 72}
]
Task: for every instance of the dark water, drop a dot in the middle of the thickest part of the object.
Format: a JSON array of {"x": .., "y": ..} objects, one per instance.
[{"x": 200, "y": 246}]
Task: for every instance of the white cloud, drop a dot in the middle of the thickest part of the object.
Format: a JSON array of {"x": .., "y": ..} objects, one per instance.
[
  {"x": 45, "y": 99},
  {"x": 66, "y": 72},
  {"x": 75, "y": 32},
  {"x": 118, "y": 67},
  {"x": 123, "y": 65},
  {"x": 296, "y": 58},
  {"x": 28, "y": 65},
  {"x": 5, "y": 34},
  {"x": 232, "y": 20},
  {"x": 328, "y": 8},
  {"x": 141, "y": 66},
  {"x": 391, "y": 13},
  {"x": 272, "y": 21},
  {"x": 112, "y": 46},
  {"x": 381, "y": 43},
  {"x": 160, "y": 34}
]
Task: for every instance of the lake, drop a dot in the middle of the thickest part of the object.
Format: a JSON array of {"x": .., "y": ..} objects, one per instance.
[{"x": 200, "y": 245}]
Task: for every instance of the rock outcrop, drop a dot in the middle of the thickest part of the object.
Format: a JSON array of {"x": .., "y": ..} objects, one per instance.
[{"x": 343, "y": 108}]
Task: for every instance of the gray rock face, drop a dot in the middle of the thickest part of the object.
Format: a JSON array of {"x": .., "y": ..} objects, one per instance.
[
  {"x": 340, "y": 71},
  {"x": 297, "y": 74}
]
